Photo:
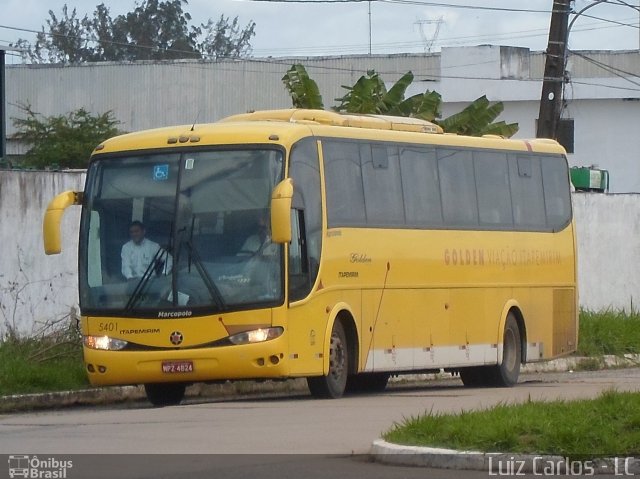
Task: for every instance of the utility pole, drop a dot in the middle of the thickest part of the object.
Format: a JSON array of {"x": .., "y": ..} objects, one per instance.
[
  {"x": 554, "y": 71},
  {"x": 3, "y": 109},
  {"x": 369, "y": 27}
]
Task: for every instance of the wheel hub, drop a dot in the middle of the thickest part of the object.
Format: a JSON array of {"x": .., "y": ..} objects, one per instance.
[{"x": 336, "y": 357}]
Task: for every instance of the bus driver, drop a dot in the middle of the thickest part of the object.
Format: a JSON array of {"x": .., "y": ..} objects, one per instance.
[{"x": 138, "y": 252}]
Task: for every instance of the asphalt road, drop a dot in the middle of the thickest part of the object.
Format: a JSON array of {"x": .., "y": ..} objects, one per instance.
[{"x": 298, "y": 435}]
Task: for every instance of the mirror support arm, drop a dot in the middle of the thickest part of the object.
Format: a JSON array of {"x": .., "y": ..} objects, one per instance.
[{"x": 51, "y": 233}]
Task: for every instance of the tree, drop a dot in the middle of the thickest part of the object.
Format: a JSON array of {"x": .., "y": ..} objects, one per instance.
[
  {"x": 303, "y": 90},
  {"x": 65, "y": 42},
  {"x": 154, "y": 30},
  {"x": 478, "y": 119},
  {"x": 225, "y": 39},
  {"x": 65, "y": 141},
  {"x": 369, "y": 95}
]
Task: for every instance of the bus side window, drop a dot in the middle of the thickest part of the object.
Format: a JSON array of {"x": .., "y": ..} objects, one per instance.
[
  {"x": 306, "y": 221},
  {"x": 526, "y": 192}
]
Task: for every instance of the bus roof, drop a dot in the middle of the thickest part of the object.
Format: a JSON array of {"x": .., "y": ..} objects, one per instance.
[{"x": 284, "y": 127}]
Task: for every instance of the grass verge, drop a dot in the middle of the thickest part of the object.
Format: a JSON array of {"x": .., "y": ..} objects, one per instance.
[
  {"x": 603, "y": 427},
  {"x": 40, "y": 365},
  {"x": 609, "y": 332}
]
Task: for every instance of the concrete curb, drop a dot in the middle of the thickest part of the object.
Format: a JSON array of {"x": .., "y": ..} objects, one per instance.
[
  {"x": 60, "y": 399},
  {"x": 119, "y": 394},
  {"x": 581, "y": 363},
  {"x": 498, "y": 463}
]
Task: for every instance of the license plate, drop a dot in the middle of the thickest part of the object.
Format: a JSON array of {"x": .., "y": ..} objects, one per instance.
[{"x": 172, "y": 367}]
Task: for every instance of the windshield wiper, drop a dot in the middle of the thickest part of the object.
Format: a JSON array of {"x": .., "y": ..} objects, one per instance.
[
  {"x": 156, "y": 261},
  {"x": 216, "y": 296},
  {"x": 194, "y": 257}
]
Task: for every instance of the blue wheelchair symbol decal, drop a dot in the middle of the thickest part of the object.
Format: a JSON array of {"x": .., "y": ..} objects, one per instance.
[{"x": 161, "y": 172}]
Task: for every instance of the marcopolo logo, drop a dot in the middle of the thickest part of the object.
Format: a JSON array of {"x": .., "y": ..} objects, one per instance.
[
  {"x": 174, "y": 314},
  {"x": 38, "y": 467}
]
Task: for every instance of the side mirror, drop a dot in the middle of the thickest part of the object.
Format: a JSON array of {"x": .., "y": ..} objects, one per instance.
[
  {"x": 281, "y": 211},
  {"x": 53, "y": 218}
]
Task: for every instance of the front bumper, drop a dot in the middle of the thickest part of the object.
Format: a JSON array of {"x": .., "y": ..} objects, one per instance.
[{"x": 247, "y": 361}]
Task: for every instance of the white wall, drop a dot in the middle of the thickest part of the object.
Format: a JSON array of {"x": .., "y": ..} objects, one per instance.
[
  {"x": 35, "y": 288},
  {"x": 608, "y": 232}
]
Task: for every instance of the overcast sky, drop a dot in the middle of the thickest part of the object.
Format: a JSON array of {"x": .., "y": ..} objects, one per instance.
[{"x": 303, "y": 29}]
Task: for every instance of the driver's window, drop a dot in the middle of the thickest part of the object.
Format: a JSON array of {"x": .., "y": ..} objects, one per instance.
[
  {"x": 306, "y": 221},
  {"x": 298, "y": 260}
]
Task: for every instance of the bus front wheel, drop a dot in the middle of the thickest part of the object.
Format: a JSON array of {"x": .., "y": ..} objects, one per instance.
[
  {"x": 332, "y": 385},
  {"x": 165, "y": 394}
]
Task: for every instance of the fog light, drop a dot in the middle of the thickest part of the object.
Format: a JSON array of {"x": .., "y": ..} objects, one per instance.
[
  {"x": 102, "y": 369},
  {"x": 90, "y": 368}
]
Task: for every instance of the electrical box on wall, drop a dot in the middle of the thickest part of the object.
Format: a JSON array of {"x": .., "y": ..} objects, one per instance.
[{"x": 586, "y": 178}]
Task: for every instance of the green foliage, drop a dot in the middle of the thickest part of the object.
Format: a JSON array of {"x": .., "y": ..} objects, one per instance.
[
  {"x": 425, "y": 106},
  {"x": 609, "y": 332},
  {"x": 154, "y": 30},
  {"x": 65, "y": 141},
  {"x": 303, "y": 90},
  {"x": 590, "y": 364},
  {"x": 41, "y": 365},
  {"x": 603, "y": 427},
  {"x": 369, "y": 95},
  {"x": 225, "y": 38},
  {"x": 159, "y": 30},
  {"x": 477, "y": 120}
]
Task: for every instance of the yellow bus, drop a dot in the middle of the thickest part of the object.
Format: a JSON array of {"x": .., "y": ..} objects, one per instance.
[{"x": 339, "y": 248}]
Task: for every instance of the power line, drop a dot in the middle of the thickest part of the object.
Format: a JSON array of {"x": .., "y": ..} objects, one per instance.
[
  {"x": 311, "y": 1},
  {"x": 418, "y": 75},
  {"x": 192, "y": 54},
  {"x": 609, "y": 21},
  {"x": 442, "y": 41},
  {"x": 455, "y": 40},
  {"x": 604, "y": 85},
  {"x": 463, "y": 6},
  {"x": 411, "y": 2},
  {"x": 610, "y": 69},
  {"x": 623, "y": 3},
  {"x": 485, "y": 37}
]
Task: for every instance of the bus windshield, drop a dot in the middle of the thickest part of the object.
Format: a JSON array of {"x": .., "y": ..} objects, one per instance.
[{"x": 172, "y": 234}]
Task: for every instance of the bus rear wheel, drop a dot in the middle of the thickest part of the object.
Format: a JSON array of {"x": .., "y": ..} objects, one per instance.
[
  {"x": 165, "y": 394},
  {"x": 332, "y": 386},
  {"x": 504, "y": 374},
  {"x": 507, "y": 372}
]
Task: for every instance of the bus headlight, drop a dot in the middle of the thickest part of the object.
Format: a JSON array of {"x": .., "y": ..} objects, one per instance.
[
  {"x": 104, "y": 342},
  {"x": 256, "y": 335}
]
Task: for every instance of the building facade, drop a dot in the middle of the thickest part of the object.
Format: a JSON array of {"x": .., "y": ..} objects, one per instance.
[{"x": 602, "y": 94}]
